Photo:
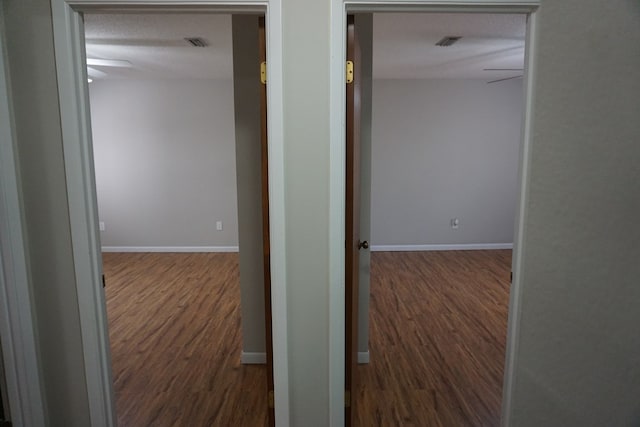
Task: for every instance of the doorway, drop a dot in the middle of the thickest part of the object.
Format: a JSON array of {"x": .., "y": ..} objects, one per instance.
[
  {"x": 168, "y": 173},
  {"x": 396, "y": 114}
]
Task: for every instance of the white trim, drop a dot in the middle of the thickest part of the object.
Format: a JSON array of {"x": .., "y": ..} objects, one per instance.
[
  {"x": 337, "y": 183},
  {"x": 277, "y": 220},
  {"x": 17, "y": 322},
  {"x": 170, "y": 249},
  {"x": 71, "y": 74},
  {"x": 363, "y": 357},
  {"x": 454, "y": 247},
  {"x": 252, "y": 358},
  {"x": 68, "y": 30},
  {"x": 431, "y": 6},
  {"x": 517, "y": 263},
  {"x": 337, "y": 157}
]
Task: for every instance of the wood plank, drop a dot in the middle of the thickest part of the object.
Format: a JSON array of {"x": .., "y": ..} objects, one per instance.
[
  {"x": 437, "y": 340},
  {"x": 174, "y": 325}
]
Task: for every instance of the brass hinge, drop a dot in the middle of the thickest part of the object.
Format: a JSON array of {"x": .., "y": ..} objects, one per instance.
[
  {"x": 349, "y": 72},
  {"x": 263, "y": 73},
  {"x": 271, "y": 399},
  {"x": 347, "y": 398}
]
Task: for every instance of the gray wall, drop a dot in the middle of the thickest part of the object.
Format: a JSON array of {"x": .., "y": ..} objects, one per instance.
[
  {"x": 47, "y": 232},
  {"x": 165, "y": 174},
  {"x": 165, "y": 162},
  {"x": 248, "y": 159},
  {"x": 444, "y": 149},
  {"x": 577, "y": 350}
]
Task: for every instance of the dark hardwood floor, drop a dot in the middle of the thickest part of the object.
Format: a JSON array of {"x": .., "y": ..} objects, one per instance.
[
  {"x": 174, "y": 324},
  {"x": 438, "y": 323},
  {"x": 437, "y": 340}
]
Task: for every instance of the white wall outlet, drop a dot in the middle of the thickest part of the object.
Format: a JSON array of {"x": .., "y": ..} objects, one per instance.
[
  {"x": 219, "y": 225},
  {"x": 101, "y": 224},
  {"x": 455, "y": 223}
]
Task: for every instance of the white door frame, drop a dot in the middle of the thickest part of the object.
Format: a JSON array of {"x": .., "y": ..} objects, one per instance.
[
  {"x": 79, "y": 169},
  {"x": 337, "y": 183},
  {"x": 17, "y": 325}
]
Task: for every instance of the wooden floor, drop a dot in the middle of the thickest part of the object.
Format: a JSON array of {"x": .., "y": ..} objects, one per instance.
[
  {"x": 437, "y": 340},
  {"x": 438, "y": 323},
  {"x": 174, "y": 324}
]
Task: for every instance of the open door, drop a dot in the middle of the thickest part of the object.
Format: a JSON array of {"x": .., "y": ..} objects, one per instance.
[
  {"x": 265, "y": 218},
  {"x": 352, "y": 217}
]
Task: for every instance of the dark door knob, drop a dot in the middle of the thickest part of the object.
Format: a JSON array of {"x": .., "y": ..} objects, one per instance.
[{"x": 363, "y": 245}]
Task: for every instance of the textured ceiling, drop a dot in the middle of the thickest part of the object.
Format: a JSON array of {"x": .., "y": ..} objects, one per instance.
[
  {"x": 154, "y": 44},
  {"x": 404, "y": 45}
]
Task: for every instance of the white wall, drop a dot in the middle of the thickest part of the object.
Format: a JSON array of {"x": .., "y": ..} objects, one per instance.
[
  {"x": 165, "y": 162},
  {"x": 577, "y": 346},
  {"x": 165, "y": 170},
  {"x": 444, "y": 149},
  {"x": 305, "y": 45}
]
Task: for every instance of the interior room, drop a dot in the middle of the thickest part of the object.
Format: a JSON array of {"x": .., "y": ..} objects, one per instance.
[
  {"x": 179, "y": 199},
  {"x": 439, "y": 188},
  {"x": 441, "y": 181}
]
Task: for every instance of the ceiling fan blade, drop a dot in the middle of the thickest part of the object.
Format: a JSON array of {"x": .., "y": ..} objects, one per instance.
[
  {"x": 96, "y": 73},
  {"x": 505, "y": 79},
  {"x": 109, "y": 63}
]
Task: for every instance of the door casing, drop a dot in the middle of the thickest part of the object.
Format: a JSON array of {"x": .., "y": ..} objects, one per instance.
[
  {"x": 337, "y": 182},
  {"x": 76, "y": 132},
  {"x": 17, "y": 326}
]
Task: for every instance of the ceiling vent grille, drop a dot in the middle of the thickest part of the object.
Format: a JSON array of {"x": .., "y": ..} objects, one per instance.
[
  {"x": 448, "y": 41},
  {"x": 196, "y": 41}
]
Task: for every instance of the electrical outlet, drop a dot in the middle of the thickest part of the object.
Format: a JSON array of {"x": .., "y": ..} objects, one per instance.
[
  {"x": 455, "y": 223},
  {"x": 219, "y": 225},
  {"x": 101, "y": 223}
]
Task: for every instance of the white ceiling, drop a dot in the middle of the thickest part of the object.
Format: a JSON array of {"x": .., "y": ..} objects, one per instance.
[
  {"x": 404, "y": 45},
  {"x": 155, "y": 45}
]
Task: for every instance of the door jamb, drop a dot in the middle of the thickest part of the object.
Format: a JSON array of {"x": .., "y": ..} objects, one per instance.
[
  {"x": 78, "y": 156},
  {"x": 337, "y": 182}
]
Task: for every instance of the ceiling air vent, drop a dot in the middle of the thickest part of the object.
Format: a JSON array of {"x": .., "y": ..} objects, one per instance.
[
  {"x": 196, "y": 41},
  {"x": 448, "y": 40}
]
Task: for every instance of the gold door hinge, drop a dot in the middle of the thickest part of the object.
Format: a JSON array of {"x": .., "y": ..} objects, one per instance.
[
  {"x": 263, "y": 73},
  {"x": 349, "y": 72},
  {"x": 347, "y": 399},
  {"x": 271, "y": 399}
]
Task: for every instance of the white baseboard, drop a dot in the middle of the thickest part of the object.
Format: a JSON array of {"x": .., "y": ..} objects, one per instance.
[
  {"x": 249, "y": 358},
  {"x": 170, "y": 249},
  {"x": 457, "y": 247}
]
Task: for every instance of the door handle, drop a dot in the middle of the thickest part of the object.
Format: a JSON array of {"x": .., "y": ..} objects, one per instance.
[{"x": 363, "y": 245}]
